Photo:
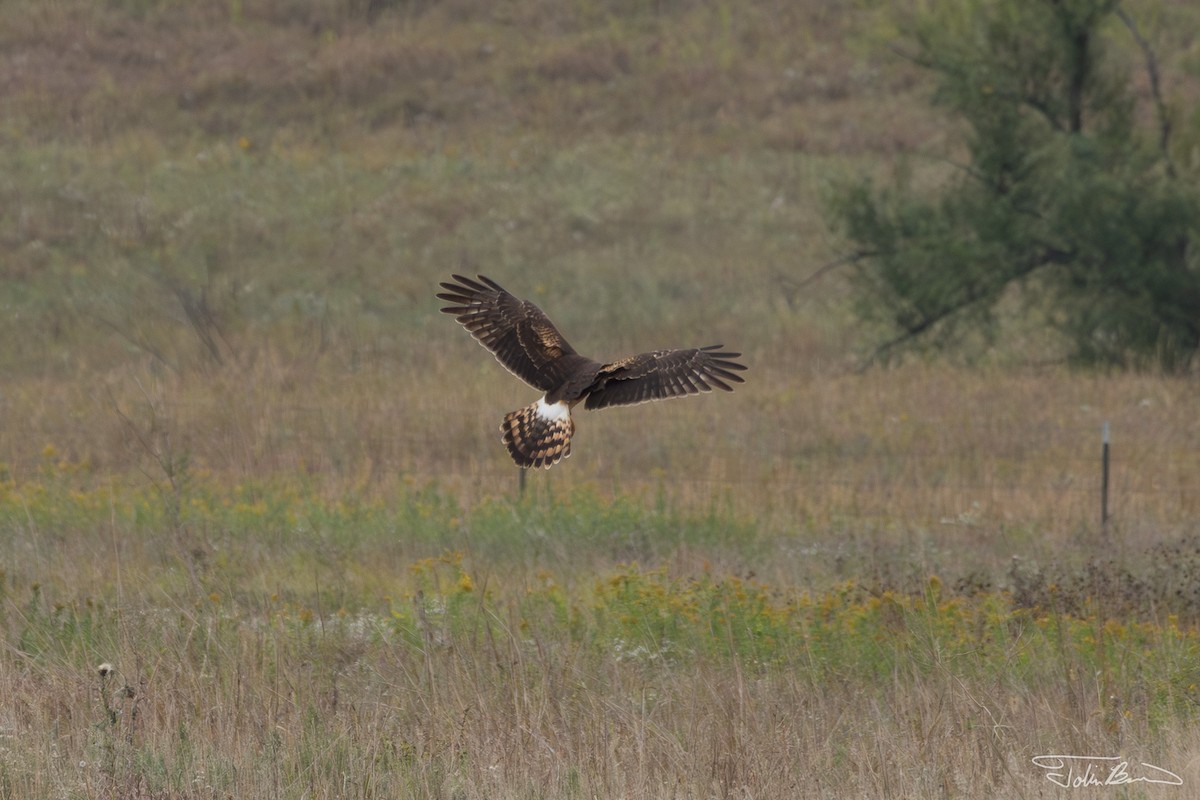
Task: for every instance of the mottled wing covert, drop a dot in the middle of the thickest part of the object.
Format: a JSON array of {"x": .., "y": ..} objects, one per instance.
[
  {"x": 521, "y": 337},
  {"x": 665, "y": 373}
]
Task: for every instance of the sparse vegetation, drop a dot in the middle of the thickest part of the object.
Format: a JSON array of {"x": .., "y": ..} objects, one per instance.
[
  {"x": 268, "y": 653},
  {"x": 258, "y": 537}
]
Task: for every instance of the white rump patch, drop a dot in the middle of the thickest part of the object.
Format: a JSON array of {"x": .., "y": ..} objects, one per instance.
[{"x": 552, "y": 412}]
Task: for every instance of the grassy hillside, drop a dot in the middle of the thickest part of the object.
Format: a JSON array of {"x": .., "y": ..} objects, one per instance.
[{"x": 246, "y": 461}]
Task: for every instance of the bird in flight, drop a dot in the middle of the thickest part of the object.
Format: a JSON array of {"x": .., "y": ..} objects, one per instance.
[{"x": 526, "y": 342}]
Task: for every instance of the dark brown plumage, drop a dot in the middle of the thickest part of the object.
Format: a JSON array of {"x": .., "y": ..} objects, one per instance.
[{"x": 526, "y": 342}]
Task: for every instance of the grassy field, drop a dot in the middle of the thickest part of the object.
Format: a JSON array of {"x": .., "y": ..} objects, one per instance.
[{"x": 258, "y": 535}]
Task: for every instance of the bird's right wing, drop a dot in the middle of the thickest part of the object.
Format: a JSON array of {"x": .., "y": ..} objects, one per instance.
[
  {"x": 521, "y": 337},
  {"x": 665, "y": 373}
]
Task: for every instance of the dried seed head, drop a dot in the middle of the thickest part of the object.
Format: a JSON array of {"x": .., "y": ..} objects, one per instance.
[{"x": 105, "y": 669}]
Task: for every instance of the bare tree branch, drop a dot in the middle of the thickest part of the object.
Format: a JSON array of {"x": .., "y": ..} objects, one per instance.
[
  {"x": 1048, "y": 255},
  {"x": 821, "y": 271},
  {"x": 1160, "y": 107},
  {"x": 137, "y": 341},
  {"x": 790, "y": 287}
]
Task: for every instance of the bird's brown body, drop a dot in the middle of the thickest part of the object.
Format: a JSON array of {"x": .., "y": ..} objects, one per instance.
[{"x": 525, "y": 341}]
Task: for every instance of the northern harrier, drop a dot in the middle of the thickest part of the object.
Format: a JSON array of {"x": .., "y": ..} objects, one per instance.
[{"x": 526, "y": 342}]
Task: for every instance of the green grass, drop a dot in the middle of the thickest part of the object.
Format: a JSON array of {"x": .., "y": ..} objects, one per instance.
[
  {"x": 191, "y": 262},
  {"x": 420, "y": 649}
]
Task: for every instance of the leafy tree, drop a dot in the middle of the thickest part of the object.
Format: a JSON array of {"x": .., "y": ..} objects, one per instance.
[{"x": 1069, "y": 203}]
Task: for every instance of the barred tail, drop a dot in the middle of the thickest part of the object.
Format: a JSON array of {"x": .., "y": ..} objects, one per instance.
[{"x": 539, "y": 435}]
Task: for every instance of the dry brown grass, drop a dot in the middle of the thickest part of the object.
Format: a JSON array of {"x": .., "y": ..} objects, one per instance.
[
  {"x": 891, "y": 475},
  {"x": 883, "y": 478},
  {"x": 208, "y": 701}
]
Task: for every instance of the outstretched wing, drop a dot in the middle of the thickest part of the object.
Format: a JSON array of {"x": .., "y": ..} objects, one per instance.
[
  {"x": 663, "y": 374},
  {"x": 522, "y": 338}
]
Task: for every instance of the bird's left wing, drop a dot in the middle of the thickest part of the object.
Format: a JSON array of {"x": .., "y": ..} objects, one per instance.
[{"x": 663, "y": 374}]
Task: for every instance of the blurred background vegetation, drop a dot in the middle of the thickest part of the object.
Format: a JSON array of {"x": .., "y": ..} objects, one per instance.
[
  {"x": 222, "y": 224},
  {"x": 1074, "y": 206},
  {"x": 194, "y": 183}
]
